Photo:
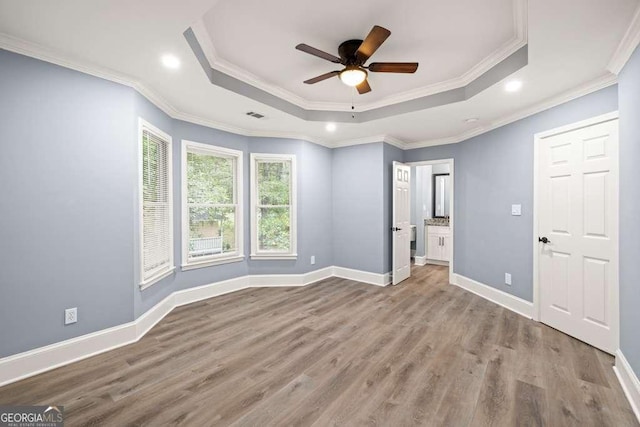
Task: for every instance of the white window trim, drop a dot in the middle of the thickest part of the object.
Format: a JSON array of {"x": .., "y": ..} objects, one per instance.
[
  {"x": 274, "y": 255},
  {"x": 238, "y": 255},
  {"x": 161, "y": 274}
]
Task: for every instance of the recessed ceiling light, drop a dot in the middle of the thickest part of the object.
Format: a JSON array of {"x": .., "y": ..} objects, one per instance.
[
  {"x": 170, "y": 61},
  {"x": 471, "y": 120},
  {"x": 513, "y": 85},
  {"x": 330, "y": 127}
]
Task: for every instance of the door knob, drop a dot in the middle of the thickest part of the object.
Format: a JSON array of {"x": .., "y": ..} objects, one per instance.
[{"x": 544, "y": 240}]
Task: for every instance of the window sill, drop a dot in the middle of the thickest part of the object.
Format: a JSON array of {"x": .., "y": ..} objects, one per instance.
[
  {"x": 152, "y": 281},
  {"x": 273, "y": 257},
  {"x": 212, "y": 262}
]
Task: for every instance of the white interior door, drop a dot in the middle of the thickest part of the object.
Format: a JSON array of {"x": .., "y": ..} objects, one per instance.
[
  {"x": 578, "y": 215},
  {"x": 401, "y": 223}
]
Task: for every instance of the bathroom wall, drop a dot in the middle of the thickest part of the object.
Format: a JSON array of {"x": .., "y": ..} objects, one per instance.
[{"x": 422, "y": 200}]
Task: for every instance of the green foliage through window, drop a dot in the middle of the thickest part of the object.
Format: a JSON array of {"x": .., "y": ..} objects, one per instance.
[
  {"x": 273, "y": 210},
  {"x": 211, "y": 200}
]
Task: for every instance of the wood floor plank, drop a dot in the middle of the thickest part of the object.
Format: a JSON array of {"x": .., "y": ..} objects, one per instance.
[
  {"x": 496, "y": 402},
  {"x": 530, "y": 364},
  {"x": 339, "y": 352},
  {"x": 530, "y": 406}
]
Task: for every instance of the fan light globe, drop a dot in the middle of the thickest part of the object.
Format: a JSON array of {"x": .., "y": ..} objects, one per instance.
[{"x": 353, "y": 76}]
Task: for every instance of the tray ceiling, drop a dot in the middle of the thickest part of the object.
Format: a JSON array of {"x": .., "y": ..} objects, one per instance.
[{"x": 454, "y": 42}]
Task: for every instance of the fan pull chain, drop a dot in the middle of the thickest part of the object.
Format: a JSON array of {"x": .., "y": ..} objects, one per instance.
[{"x": 353, "y": 113}]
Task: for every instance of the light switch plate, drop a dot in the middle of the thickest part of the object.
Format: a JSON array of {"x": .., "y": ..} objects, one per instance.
[
  {"x": 516, "y": 210},
  {"x": 507, "y": 279}
]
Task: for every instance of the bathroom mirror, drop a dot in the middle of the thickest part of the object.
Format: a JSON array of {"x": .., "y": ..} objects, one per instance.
[{"x": 441, "y": 195}]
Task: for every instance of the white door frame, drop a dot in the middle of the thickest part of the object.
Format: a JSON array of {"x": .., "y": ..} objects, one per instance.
[
  {"x": 450, "y": 162},
  {"x": 536, "y": 155}
]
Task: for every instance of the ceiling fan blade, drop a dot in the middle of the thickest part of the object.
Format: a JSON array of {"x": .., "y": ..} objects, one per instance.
[
  {"x": 363, "y": 87},
  {"x": 371, "y": 43},
  {"x": 319, "y": 53},
  {"x": 393, "y": 67},
  {"x": 322, "y": 77}
]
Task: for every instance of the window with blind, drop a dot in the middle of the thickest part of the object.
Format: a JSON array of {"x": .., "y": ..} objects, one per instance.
[
  {"x": 273, "y": 206},
  {"x": 156, "y": 207},
  {"x": 211, "y": 208}
]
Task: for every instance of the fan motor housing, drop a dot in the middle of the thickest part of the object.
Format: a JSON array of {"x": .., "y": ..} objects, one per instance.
[{"x": 347, "y": 51}]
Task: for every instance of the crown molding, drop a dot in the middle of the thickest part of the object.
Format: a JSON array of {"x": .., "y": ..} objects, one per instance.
[
  {"x": 33, "y": 50},
  {"x": 387, "y": 139},
  {"x": 582, "y": 90},
  {"x": 519, "y": 39},
  {"x": 627, "y": 45}
]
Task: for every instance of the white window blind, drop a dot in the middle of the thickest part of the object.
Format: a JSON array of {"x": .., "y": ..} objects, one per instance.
[
  {"x": 156, "y": 205},
  {"x": 273, "y": 214},
  {"x": 212, "y": 211}
]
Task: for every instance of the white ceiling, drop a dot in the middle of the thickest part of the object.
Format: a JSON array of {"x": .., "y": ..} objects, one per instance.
[
  {"x": 448, "y": 39},
  {"x": 570, "y": 44}
]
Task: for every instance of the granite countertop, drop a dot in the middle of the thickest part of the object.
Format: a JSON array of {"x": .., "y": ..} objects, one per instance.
[{"x": 442, "y": 222}]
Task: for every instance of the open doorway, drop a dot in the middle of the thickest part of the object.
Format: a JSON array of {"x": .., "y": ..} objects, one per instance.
[{"x": 432, "y": 214}]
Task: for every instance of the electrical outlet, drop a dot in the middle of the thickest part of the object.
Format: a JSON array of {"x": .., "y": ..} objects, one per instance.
[
  {"x": 507, "y": 279},
  {"x": 313, "y": 259},
  {"x": 70, "y": 315}
]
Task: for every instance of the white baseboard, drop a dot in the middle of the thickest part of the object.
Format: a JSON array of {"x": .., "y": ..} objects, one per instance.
[
  {"x": 420, "y": 260},
  {"x": 513, "y": 303},
  {"x": 187, "y": 296},
  {"x": 629, "y": 381},
  {"x": 363, "y": 276},
  {"x": 24, "y": 365},
  {"x": 280, "y": 280}
]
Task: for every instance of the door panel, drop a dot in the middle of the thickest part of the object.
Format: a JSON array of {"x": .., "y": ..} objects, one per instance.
[
  {"x": 433, "y": 247},
  {"x": 577, "y": 212},
  {"x": 446, "y": 248},
  {"x": 401, "y": 249}
]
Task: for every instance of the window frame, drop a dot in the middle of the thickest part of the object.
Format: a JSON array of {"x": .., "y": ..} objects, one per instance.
[
  {"x": 213, "y": 150},
  {"x": 292, "y": 254},
  {"x": 145, "y": 282}
]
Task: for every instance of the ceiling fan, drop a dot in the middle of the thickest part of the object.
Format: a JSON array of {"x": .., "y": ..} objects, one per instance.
[{"x": 353, "y": 55}]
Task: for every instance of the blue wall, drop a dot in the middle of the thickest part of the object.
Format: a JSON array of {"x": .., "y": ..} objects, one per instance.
[
  {"x": 314, "y": 211},
  {"x": 358, "y": 207},
  {"x": 66, "y": 205},
  {"x": 629, "y": 98},
  {"x": 492, "y": 172},
  {"x": 68, "y": 179}
]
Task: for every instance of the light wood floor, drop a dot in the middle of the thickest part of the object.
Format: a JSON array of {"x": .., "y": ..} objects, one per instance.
[{"x": 340, "y": 353}]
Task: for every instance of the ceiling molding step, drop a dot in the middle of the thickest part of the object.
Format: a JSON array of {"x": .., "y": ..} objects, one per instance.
[
  {"x": 627, "y": 45},
  {"x": 514, "y": 62},
  {"x": 359, "y": 141},
  {"x": 388, "y": 139},
  {"x": 202, "y": 38},
  {"x": 585, "y": 89},
  {"x": 290, "y": 135},
  {"x": 521, "y": 19}
]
